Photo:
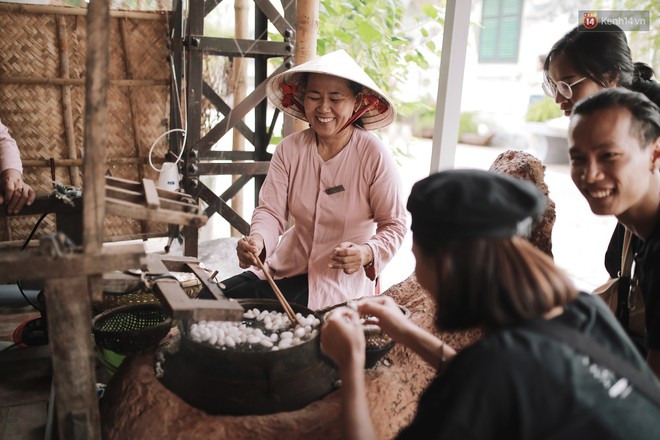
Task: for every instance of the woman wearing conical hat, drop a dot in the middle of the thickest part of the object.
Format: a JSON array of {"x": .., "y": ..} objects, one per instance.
[{"x": 335, "y": 180}]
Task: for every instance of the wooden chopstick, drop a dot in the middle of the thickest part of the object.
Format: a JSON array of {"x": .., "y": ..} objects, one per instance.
[{"x": 285, "y": 305}]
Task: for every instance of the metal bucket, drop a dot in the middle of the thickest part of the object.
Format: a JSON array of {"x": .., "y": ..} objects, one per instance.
[{"x": 237, "y": 382}]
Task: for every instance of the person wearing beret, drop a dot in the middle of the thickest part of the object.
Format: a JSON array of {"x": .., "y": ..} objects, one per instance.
[
  {"x": 614, "y": 149},
  {"x": 14, "y": 192},
  {"x": 516, "y": 382},
  {"x": 338, "y": 184}
]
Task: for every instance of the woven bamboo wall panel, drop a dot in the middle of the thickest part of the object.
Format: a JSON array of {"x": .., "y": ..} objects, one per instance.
[{"x": 42, "y": 96}]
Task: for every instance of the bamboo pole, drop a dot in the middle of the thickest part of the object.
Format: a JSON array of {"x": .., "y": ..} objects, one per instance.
[
  {"x": 69, "y": 134},
  {"x": 63, "y": 10},
  {"x": 45, "y": 163},
  {"x": 307, "y": 25},
  {"x": 239, "y": 85},
  {"x": 7, "y": 228},
  {"x": 131, "y": 104},
  {"x": 81, "y": 81},
  {"x": 131, "y": 99}
]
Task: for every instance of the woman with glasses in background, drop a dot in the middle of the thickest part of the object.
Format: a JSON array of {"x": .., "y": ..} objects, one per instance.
[{"x": 582, "y": 63}]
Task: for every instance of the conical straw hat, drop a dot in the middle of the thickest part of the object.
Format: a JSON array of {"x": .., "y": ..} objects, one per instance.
[{"x": 286, "y": 92}]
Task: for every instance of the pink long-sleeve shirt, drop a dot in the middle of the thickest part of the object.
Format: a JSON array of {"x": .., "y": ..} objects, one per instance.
[
  {"x": 9, "y": 154},
  {"x": 368, "y": 210}
]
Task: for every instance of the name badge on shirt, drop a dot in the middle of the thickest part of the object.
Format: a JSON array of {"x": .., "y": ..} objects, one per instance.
[{"x": 334, "y": 190}]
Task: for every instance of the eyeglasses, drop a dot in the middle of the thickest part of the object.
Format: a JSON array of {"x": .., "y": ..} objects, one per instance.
[{"x": 562, "y": 87}]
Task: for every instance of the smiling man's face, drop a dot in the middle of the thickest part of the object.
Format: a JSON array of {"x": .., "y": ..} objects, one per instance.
[{"x": 609, "y": 165}]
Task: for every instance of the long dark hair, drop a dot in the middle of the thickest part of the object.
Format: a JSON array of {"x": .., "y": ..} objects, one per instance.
[
  {"x": 603, "y": 55},
  {"x": 494, "y": 283}
]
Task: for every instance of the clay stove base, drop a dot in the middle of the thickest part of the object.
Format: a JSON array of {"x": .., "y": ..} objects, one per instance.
[{"x": 137, "y": 405}]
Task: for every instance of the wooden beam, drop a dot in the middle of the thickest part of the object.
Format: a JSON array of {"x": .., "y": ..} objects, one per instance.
[
  {"x": 235, "y": 187},
  {"x": 251, "y": 168},
  {"x": 223, "y": 108},
  {"x": 34, "y": 264},
  {"x": 176, "y": 263},
  {"x": 243, "y": 108},
  {"x": 81, "y": 81},
  {"x": 79, "y": 162},
  {"x": 211, "y": 285},
  {"x": 273, "y": 15},
  {"x": 181, "y": 306},
  {"x": 59, "y": 10},
  {"x": 134, "y": 193},
  {"x": 209, "y": 5},
  {"x": 151, "y": 194},
  {"x": 236, "y": 47},
  {"x": 123, "y": 208},
  {"x": 216, "y": 204},
  {"x": 246, "y": 156},
  {"x": 136, "y": 187}
]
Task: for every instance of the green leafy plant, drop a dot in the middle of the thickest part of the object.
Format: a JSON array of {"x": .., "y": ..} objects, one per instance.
[
  {"x": 374, "y": 34},
  {"x": 543, "y": 110},
  {"x": 467, "y": 123},
  {"x": 422, "y": 122},
  {"x": 645, "y": 46}
]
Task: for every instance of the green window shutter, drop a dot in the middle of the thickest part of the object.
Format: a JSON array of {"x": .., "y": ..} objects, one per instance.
[
  {"x": 500, "y": 34},
  {"x": 488, "y": 40},
  {"x": 511, "y": 7}
]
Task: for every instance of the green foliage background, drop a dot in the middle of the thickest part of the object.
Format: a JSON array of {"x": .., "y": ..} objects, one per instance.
[
  {"x": 543, "y": 110},
  {"x": 374, "y": 34},
  {"x": 645, "y": 45}
]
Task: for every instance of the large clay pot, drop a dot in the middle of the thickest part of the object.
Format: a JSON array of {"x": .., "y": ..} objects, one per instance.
[{"x": 236, "y": 382}]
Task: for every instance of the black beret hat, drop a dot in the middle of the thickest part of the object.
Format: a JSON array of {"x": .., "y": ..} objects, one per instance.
[{"x": 472, "y": 204}]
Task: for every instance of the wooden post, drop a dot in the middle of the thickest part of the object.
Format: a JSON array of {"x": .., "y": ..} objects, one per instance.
[
  {"x": 239, "y": 83},
  {"x": 196, "y": 14},
  {"x": 68, "y": 301},
  {"x": 307, "y": 25},
  {"x": 98, "y": 30},
  {"x": 69, "y": 328}
]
